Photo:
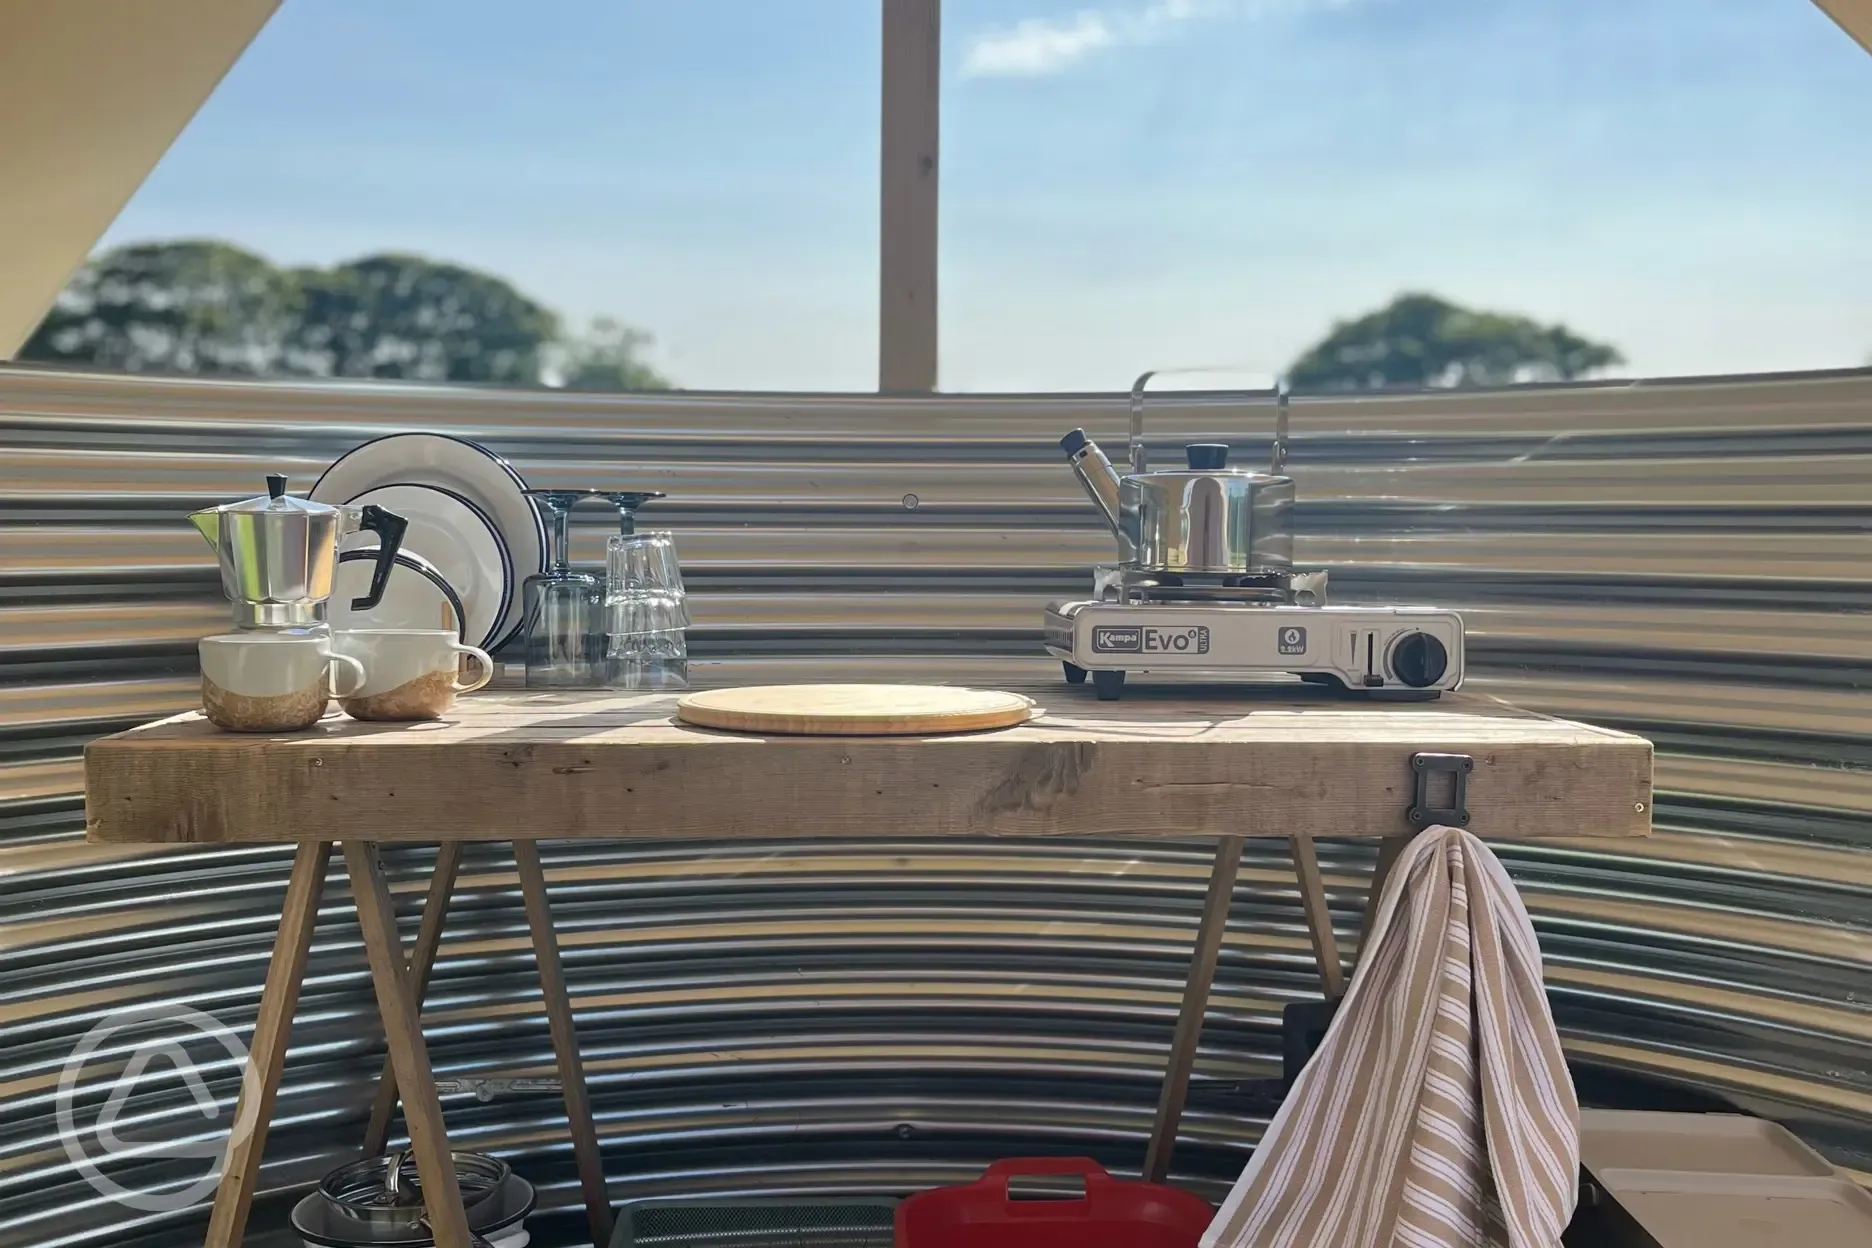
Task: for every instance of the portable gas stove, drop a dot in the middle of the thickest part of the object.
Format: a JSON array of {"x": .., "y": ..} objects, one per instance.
[
  {"x": 1205, "y": 584},
  {"x": 1249, "y": 626}
]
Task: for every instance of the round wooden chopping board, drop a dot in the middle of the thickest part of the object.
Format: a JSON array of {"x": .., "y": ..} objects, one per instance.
[{"x": 854, "y": 710}]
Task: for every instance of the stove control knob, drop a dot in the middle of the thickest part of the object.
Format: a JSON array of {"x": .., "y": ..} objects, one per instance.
[{"x": 1419, "y": 660}]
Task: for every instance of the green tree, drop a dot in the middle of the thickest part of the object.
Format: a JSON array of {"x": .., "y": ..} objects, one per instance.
[
  {"x": 213, "y": 309},
  {"x": 609, "y": 357},
  {"x": 1422, "y": 340},
  {"x": 404, "y": 316},
  {"x": 182, "y": 307}
]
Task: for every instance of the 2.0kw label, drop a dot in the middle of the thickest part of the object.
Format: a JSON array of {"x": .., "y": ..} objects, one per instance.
[{"x": 1190, "y": 639}]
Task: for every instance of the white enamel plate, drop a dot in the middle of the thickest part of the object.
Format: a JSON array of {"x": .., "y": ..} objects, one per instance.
[
  {"x": 415, "y": 596},
  {"x": 463, "y": 478},
  {"x": 458, "y": 539}
]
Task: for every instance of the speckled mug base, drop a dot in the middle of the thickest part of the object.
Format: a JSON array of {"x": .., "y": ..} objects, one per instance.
[
  {"x": 285, "y": 712},
  {"x": 426, "y": 697}
]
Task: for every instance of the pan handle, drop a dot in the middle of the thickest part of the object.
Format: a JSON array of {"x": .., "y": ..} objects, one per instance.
[{"x": 996, "y": 1178}]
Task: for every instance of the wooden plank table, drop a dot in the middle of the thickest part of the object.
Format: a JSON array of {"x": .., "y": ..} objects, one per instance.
[{"x": 518, "y": 766}]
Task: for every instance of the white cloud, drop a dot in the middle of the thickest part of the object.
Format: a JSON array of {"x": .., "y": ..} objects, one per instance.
[{"x": 1037, "y": 46}]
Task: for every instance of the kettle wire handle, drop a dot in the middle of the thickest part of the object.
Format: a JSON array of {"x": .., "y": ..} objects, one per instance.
[
  {"x": 1277, "y": 460},
  {"x": 1138, "y": 457}
]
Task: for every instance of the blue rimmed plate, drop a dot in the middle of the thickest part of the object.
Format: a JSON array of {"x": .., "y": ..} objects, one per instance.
[
  {"x": 457, "y": 537},
  {"x": 476, "y": 477},
  {"x": 415, "y": 596}
]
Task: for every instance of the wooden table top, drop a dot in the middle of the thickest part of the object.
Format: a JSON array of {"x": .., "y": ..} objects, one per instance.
[{"x": 1160, "y": 763}]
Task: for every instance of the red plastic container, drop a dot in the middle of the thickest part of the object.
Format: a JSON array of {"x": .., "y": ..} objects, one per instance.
[{"x": 1113, "y": 1214}]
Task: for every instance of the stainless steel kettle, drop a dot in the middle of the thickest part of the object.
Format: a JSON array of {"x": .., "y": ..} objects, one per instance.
[
  {"x": 1205, "y": 518},
  {"x": 279, "y": 555}
]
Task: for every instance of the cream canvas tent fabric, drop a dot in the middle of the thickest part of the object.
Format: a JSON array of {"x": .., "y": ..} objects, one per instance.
[{"x": 1438, "y": 1112}]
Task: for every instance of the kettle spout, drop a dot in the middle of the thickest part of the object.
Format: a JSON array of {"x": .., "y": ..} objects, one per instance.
[
  {"x": 208, "y": 523},
  {"x": 1100, "y": 479}
]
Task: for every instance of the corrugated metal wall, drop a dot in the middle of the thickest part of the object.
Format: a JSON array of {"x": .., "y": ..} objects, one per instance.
[{"x": 1688, "y": 561}]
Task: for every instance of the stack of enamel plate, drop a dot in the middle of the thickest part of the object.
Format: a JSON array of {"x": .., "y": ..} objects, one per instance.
[{"x": 473, "y": 537}]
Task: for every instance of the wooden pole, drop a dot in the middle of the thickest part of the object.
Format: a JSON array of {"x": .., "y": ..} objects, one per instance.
[{"x": 907, "y": 186}]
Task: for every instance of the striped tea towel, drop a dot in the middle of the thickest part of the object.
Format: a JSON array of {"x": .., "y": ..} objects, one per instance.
[{"x": 1438, "y": 1112}]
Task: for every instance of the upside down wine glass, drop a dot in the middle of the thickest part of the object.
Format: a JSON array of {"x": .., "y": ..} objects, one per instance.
[{"x": 561, "y": 605}]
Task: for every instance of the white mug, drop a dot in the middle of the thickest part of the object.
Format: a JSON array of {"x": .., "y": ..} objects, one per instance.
[
  {"x": 409, "y": 673},
  {"x": 271, "y": 682}
]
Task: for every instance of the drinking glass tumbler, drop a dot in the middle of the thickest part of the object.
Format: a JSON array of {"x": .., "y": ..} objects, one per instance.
[
  {"x": 640, "y": 563},
  {"x": 635, "y": 560},
  {"x": 562, "y": 606},
  {"x": 643, "y": 563},
  {"x": 646, "y": 647}
]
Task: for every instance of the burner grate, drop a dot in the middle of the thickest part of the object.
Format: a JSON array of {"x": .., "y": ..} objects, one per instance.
[{"x": 1279, "y": 588}]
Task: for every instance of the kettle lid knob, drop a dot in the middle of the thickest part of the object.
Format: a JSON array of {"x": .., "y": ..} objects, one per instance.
[
  {"x": 276, "y": 485},
  {"x": 1206, "y": 456}
]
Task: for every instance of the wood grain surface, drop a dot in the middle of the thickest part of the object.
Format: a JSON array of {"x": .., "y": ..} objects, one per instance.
[
  {"x": 853, "y": 710},
  {"x": 618, "y": 764}
]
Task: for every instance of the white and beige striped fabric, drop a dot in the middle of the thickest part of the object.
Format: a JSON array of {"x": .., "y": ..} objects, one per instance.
[{"x": 1438, "y": 1112}]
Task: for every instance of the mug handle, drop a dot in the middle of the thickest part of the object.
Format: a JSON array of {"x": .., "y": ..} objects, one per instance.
[
  {"x": 480, "y": 656},
  {"x": 357, "y": 672}
]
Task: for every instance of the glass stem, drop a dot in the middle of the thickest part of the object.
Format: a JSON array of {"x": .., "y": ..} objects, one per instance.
[{"x": 562, "y": 538}]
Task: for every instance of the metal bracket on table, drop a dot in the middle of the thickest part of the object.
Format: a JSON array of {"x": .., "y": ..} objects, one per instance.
[{"x": 1423, "y": 812}]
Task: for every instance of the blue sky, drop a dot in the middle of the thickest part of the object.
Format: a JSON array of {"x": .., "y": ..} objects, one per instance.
[{"x": 1136, "y": 184}]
